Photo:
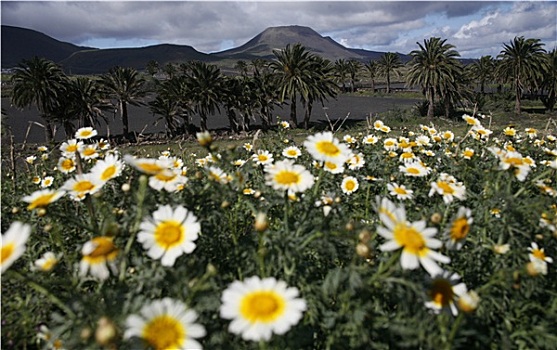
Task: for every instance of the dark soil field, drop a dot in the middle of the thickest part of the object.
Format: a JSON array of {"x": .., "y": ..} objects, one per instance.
[{"x": 143, "y": 121}]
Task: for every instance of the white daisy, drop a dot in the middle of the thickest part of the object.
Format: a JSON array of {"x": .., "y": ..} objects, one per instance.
[
  {"x": 260, "y": 307},
  {"x": 99, "y": 254},
  {"x": 414, "y": 238},
  {"x": 13, "y": 243},
  {"x": 169, "y": 233},
  {"x": 85, "y": 133},
  {"x": 284, "y": 175},
  {"x": 165, "y": 324}
]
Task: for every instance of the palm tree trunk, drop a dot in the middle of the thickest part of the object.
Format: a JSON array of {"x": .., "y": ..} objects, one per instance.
[
  {"x": 48, "y": 130},
  {"x": 307, "y": 116},
  {"x": 388, "y": 83},
  {"x": 430, "y": 108},
  {"x": 293, "y": 119},
  {"x": 124, "y": 114},
  {"x": 203, "y": 121},
  {"x": 517, "y": 106},
  {"x": 232, "y": 120}
]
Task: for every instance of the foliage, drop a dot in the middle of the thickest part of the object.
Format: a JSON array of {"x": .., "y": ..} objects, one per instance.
[{"x": 323, "y": 241}]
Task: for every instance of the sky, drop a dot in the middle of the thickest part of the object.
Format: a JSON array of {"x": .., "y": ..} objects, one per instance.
[{"x": 475, "y": 28}]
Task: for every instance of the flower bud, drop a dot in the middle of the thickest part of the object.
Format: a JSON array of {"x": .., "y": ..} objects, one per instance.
[
  {"x": 364, "y": 236},
  {"x": 126, "y": 187},
  {"x": 436, "y": 218},
  {"x": 15, "y": 210},
  {"x": 41, "y": 212},
  {"x": 261, "y": 222},
  {"x": 363, "y": 250},
  {"x": 105, "y": 332},
  {"x": 204, "y": 138}
]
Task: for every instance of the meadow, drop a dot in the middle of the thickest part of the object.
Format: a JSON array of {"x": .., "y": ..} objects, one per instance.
[{"x": 389, "y": 234}]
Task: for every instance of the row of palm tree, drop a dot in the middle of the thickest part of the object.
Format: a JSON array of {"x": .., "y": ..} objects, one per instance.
[{"x": 198, "y": 89}]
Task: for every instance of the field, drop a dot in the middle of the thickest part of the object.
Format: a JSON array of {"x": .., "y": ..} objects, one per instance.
[{"x": 387, "y": 233}]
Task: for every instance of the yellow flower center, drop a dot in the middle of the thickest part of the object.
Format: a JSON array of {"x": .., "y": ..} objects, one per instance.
[
  {"x": 67, "y": 164},
  {"x": 108, "y": 173},
  {"x": 83, "y": 186},
  {"x": 150, "y": 168},
  {"x": 71, "y": 148},
  {"x": 7, "y": 251},
  {"x": 441, "y": 292},
  {"x": 350, "y": 185},
  {"x": 468, "y": 153},
  {"x": 327, "y": 148},
  {"x": 169, "y": 233},
  {"x": 262, "y": 306},
  {"x": 104, "y": 250},
  {"x": 85, "y": 133},
  {"x": 89, "y": 152},
  {"x": 48, "y": 264},
  {"x": 460, "y": 229},
  {"x": 514, "y": 161},
  {"x": 292, "y": 152},
  {"x": 287, "y": 177},
  {"x": 164, "y": 332},
  {"x": 262, "y": 158},
  {"x": 409, "y": 238},
  {"x": 445, "y": 187},
  {"x": 400, "y": 190},
  {"x": 537, "y": 253},
  {"x": 407, "y": 155},
  {"x": 41, "y": 201},
  {"x": 413, "y": 171},
  {"x": 331, "y": 165},
  {"x": 165, "y": 176}
]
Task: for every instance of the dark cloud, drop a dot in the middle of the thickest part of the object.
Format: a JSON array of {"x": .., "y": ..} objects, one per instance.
[{"x": 208, "y": 26}]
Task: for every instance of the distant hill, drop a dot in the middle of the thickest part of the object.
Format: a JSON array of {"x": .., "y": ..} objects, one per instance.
[
  {"x": 263, "y": 44},
  {"x": 101, "y": 60},
  {"x": 20, "y": 43}
]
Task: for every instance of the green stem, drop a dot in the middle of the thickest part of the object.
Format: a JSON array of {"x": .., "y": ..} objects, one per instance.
[
  {"x": 310, "y": 238},
  {"x": 135, "y": 226},
  {"x": 261, "y": 254},
  {"x": 42, "y": 290},
  {"x": 454, "y": 329}
]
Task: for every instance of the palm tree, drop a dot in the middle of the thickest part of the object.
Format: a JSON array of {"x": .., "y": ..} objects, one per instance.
[
  {"x": 38, "y": 82},
  {"x": 373, "y": 69},
  {"x": 242, "y": 67},
  {"x": 341, "y": 71},
  {"x": 482, "y": 71},
  {"x": 205, "y": 88},
  {"x": 323, "y": 86},
  {"x": 389, "y": 63},
  {"x": 292, "y": 71},
  {"x": 152, "y": 67},
  {"x": 522, "y": 62},
  {"x": 431, "y": 68},
  {"x": 87, "y": 101},
  {"x": 169, "y": 111},
  {"x": 126, "y": 86},
  {"x": 549, "y": 81},
  {"x": 353, "y": 68}
]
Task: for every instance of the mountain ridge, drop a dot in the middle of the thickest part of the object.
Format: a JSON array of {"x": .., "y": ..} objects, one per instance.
[{"x": 87, "y": 60}]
